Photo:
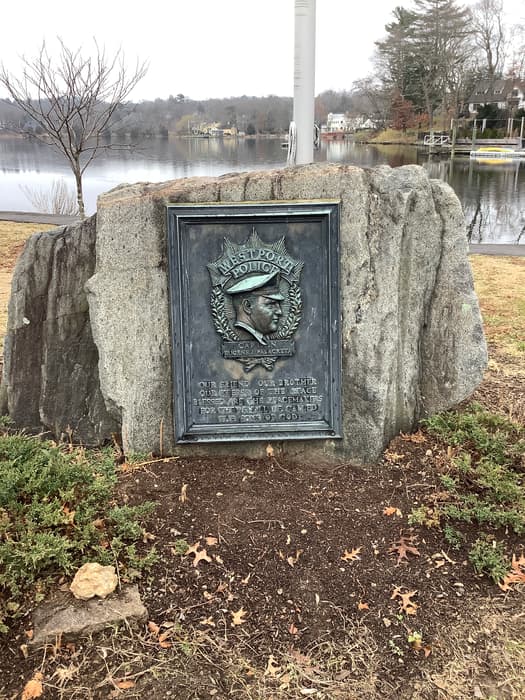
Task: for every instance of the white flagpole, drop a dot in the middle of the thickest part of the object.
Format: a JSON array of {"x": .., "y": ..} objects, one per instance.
[{"x": 302, "y": 127}]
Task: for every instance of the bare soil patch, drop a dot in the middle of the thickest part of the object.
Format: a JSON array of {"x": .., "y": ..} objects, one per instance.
[{"x": 299, "y": 582}]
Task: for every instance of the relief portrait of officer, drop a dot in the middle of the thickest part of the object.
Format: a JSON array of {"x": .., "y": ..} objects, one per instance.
[{"x": 257, "y": 301}]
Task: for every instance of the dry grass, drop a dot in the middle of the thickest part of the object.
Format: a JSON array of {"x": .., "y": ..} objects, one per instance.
[
  {"x": 12, "y": 238},
  {"x": 394, "y": 136},
  {"x": 195, "y": 664},
  {"x": 482, "y": 656},
  {"x": 500, "y": 285}
]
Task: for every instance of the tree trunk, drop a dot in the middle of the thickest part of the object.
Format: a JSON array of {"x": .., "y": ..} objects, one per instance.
[{"x": 80, "y": 196}]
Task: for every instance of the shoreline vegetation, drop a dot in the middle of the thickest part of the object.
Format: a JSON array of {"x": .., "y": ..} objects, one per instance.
[{"x": 385, "y": 137}]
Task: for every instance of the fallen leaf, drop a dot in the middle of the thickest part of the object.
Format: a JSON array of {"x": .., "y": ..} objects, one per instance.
[
  {"x": 126, "y": 467},
  {"x": 207, "y": 621},
  {"x": 414, "y": 437},
  {"x": 183, "y": 493},
  {"x": 272, "y": 667},
  {"x": 393, "y": 457},
  {"x": 362, "y": 606},
  {"x": 193, "y": 549},
  {"x": 293, "y": 560},
  {"x": 148, "y": 537},
  {"x": 407, "y": 605},
  {"x": 353, "y": 555},
  {"x": 70, "y": 514},
  {"x": 125, "y": 684},
  {"x": 166, "y": 634},
  {"x": 218, "y": 559},
  {"x": 293, "y": 629},
  {"x": 200, "y": 556},
  {"x": 300, "y": 658},
  {"x": 237, "y": 617},
  {"x": 515, "y": 575},
  {"x": 403, "y": 547},
  {"x": 211, "y": 541},
  {"x": 33, "y": 688},
  {"x": 25, "y": 650},
  {"x": 391, "y": 510},
  {"x": 269, "y": 450},
  {"x": 153, "y": 628},
  {"x": 29, "y": 634}
]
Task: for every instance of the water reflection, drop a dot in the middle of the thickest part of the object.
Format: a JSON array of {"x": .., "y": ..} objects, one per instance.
[{"x": 493, "y": 196}]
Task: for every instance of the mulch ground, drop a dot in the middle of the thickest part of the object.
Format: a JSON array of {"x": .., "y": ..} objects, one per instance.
[{"x": 308, "y": 580}]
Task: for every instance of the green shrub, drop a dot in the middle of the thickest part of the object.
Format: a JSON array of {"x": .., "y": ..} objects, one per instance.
[
  {"x": 485, "y": 481},
  {"x": 488, "y": 557},
  {"x": 57, "y": 511},
  {"x": 453, "y": 537}
]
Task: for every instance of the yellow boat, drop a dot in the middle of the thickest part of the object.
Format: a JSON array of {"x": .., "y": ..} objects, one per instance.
[{"x": 496, "y": 154}]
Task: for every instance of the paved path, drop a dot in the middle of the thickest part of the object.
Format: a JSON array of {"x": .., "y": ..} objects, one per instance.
[
  {"x": 34, "y": 218},
  {"x": 496, "y": 249}
]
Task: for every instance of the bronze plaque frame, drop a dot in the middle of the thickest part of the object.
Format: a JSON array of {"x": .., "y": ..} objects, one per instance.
[{"x": 255, "y": 321}]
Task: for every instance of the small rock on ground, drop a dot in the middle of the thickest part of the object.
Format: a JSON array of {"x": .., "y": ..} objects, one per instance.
[{"x": 64, "y": 615}]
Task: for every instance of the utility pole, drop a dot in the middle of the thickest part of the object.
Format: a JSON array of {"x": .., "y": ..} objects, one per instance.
[
  {"x": 454, "y": 133},
  {"x": 301, "y": 147}
]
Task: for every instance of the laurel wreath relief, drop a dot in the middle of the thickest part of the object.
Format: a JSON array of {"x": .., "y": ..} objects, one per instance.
[
  {"x": 218, "y": 313},
  {"x": 291, "y": 322}
]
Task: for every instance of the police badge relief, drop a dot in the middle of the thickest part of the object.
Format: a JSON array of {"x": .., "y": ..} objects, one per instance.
[{"x": 255, "y": 302}]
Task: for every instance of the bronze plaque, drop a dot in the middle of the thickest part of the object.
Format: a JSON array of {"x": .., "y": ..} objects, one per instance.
[{"x": 254, "y": 295}]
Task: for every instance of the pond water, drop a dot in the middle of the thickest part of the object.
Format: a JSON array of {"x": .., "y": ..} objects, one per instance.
[{"x": 493, "y": 196}]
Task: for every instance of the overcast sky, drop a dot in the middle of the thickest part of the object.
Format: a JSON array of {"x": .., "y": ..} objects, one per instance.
[{"x": 208, "y": 48}]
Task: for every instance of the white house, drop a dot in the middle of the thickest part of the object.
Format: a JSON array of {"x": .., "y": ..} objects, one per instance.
[
  {"x": 503, "y": 94},
  {"x": 336, "y": 122}
]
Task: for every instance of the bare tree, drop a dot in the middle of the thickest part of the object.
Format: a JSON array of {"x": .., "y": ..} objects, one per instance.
[
  {"x": 72, "y": 100},
  {"x": 516, "y": 67},
  {"x": 489, "y": 35}
]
